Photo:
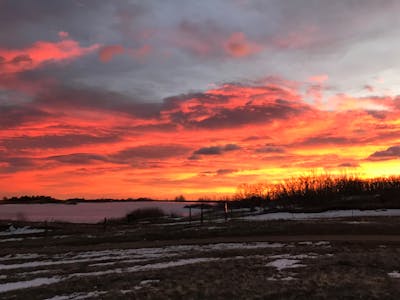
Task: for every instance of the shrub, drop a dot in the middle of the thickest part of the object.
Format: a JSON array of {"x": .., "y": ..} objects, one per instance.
[
  {"x": 180, "y": 198},
  {"x": 145, "y": 214}
]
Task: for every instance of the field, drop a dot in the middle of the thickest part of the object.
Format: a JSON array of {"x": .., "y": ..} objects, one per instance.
[{"x": 346, "y": 258}]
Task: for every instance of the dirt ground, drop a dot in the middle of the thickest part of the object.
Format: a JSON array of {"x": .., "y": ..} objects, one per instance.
[{"x": 319, "y": 259}]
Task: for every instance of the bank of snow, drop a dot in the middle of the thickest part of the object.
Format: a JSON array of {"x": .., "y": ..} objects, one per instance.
[
  {"x": 18, "y": 231},
  {"x": 323, "y": 215}
]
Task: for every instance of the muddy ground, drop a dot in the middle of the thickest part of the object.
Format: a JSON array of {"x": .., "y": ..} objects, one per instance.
[{"x": 315, "y": 259}]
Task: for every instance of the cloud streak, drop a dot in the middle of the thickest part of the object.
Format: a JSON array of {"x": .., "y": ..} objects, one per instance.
[{"x": 18, "y": 60}]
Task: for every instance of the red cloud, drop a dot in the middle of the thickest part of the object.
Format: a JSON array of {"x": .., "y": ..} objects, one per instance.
[
  {"x": 141, "y": 52},
  {"x": 63, "y": 34},
  {"x": 208, "y": 39},
  {"x": 302, "y": 38},
  {"x": 237, "y": 45},
  {"x": 17, "y": 60},
  {"x": 107, "y": 53},
  {"x": 319, "y": 78}
]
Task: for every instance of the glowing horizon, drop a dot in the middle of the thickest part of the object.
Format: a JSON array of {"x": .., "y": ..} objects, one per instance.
[{"x": 134, "y": 104}]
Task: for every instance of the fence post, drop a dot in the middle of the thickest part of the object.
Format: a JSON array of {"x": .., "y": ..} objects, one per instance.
[
  {"x": 105, "y": 224},
  {"x": 226, "y": 211},
  {"x": 201, "y": 214}
]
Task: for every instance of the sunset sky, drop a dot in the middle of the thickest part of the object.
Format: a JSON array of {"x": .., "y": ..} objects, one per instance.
[{"x": 161, "y": 98}]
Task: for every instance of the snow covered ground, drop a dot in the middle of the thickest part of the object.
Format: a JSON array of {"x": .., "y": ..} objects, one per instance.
[
  {"x": 19, "y": 231},
  {"x": 394, "y": 274},
  {"x": 35, "y": 269},
  {"x": 323, "y": 215}
]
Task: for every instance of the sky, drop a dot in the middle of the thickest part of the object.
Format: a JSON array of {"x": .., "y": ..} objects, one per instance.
[{"x": 161, "y": 98}]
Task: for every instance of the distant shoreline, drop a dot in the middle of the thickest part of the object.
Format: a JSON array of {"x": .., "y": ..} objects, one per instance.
[{"x": 76, "y": 201}]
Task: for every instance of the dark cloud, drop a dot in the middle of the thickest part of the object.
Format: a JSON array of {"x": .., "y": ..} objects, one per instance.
[
  {"x": 14, "y": 115},
  {"x": 25, "y": 21},
  {"x": 255, "y": 138},
  {"x": 175, "y": 102},
  {"x": 349, "y": 165},
  {"x": 66, "y": 99},
  {"x": 368, "y": 88},
  {"x": 231, "y": 147},
  {"x": 16, "y": 60},
  {"x": 380, "y": 115},
  {"x": 222, "y": 172},
  {"x": 250, "y": 114},
  {"x": 86, "y": 98},
  {"x": 16, "y": 164},
  {"x": 194, "y": 157},
  {"x": 222, "y": 117},
  {"x": 390, "y": 153},
  {"x": 78, "y": 158},
  {"x": 326, "y": 140},
  {"x": 23, "y": 58},
  {"x": 215, "y": 150},
  {"x": 141, "y": 157},
  {"x": 148, "y": 152},
  {"x": 56, "y": 141},
  {"x": 270, "y": 148}
]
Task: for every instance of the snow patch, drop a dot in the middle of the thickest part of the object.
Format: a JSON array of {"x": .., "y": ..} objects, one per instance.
[
  {"x": 35, "y": 264},
  {"x": 19, "y": 256},
  {"x": 11, "y": 240},
  {"x": 309, "y": 243},
  {"x": 12, "y": 286},
  {"x": 284, "y": 263},
  {"x": 287, "y": 278},
  {"x": 323, "y": 215},
  {"x": 23, "y": 230},
  {"x": 322, "y": 243},
  {"x": 296, "y": 256},
  {"x": 149, "y": 281},
  {"x": 78, "y": 296},
  {"x": 149, "y": 267},
  {"x": 394, "y": 274}
]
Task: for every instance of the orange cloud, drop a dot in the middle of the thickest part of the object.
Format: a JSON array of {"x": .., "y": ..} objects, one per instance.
[
  {"x": 197, "y": 144},
  {"x": 17, "y": 60}
]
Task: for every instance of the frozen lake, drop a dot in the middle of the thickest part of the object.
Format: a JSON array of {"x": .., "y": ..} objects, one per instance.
[{"x": 84, "y": 212}]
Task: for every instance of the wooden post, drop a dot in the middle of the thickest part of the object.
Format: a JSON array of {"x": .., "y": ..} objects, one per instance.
[
  {"x": 190, "y": 215},
  {"x": 226, "y": 211},
  {"x": 105, "y": 224},
  {"x": 201, "y": 213}
]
